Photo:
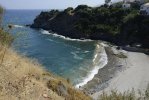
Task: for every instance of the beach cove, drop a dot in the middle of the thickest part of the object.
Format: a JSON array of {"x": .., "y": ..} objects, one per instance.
[{"x": 103, "y": 67}]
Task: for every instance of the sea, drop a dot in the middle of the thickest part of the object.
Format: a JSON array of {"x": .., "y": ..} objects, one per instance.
[{"x": 73, "y": 59}]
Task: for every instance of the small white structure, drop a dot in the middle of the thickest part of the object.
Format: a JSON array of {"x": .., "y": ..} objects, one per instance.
[
  {"x": 144, "y": 9},
  {"x": 132, "y": 1},
  {"x": 126, "y": 5}
]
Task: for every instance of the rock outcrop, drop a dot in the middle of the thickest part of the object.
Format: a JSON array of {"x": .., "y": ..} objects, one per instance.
[{"x": 112, "y": 24}]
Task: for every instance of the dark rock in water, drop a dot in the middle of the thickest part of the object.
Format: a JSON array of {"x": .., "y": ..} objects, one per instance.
[
  {"x": 10, "y": 26},
  {"x": 118, "y": 48},
  {"x": 28, "y": 25}
]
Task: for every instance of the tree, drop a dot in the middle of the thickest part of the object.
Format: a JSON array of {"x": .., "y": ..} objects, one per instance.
[{"x": 107, "y": 2}]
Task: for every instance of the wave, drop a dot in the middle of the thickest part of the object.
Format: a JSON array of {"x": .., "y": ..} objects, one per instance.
[
  {"x": 50, "y": 40},
  {"x": 86, "y": 51},
  {"x": 99, "y": 61},
  {"x": 18, "y": 26},
  {"x": 104, "y": 44},
  {"x": 76, "y": 56},
  {"x": 63, "y": 37}
]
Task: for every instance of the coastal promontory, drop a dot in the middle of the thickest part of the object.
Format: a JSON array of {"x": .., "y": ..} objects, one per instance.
[{"x": 109, "y": 23}]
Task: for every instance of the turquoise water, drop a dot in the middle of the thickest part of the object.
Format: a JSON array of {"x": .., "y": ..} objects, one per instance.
[{"x": 65, "y": 57}]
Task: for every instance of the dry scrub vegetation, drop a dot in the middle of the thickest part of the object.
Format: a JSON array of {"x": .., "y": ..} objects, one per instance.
[
  {"x": 128, "y": 95},
  {"x": 22, "y": 78},
  {"x": 25, "y": 79}
]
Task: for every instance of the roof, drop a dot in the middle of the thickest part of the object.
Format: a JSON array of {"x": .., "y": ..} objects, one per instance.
[
  {"x": 146, "y": 4},
  {"x": 132, "y": 0}
]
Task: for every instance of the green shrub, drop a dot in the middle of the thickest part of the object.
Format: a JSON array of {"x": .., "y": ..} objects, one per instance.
[
  {"x": 128, "y": 95},
  {"x": 1, "y": 13},
  {"x": 129, "y": 17},
  {"x": 5, "y": 37}
]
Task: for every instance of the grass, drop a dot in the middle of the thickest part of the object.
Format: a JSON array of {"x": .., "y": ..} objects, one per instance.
[
  {"x": 23, "y": 78},
  {"x": 1, "y": 13},
  {"x": 128, "y": 95},
  {"x": 5, "y": 37}
]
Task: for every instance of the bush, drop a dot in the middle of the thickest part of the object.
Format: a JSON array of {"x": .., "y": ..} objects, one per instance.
[
  {"x": 117, "y": 5},
  {"x": 1, "y": 14},
  {"x": 68, "y": 9},
  {"x": 81, "y": 7},
  {"x": 5, "y": 37},
  {"x": 129, "y": 17},
  {"x": 128, "y": 95}
]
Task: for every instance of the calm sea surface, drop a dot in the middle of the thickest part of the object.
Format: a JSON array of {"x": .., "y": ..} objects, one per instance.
[{"x": 68, "y": 58}]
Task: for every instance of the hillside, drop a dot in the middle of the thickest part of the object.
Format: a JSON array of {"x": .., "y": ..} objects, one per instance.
[
  {"x": 113, "y": 24},
  {"x": 25, "y": 79}
]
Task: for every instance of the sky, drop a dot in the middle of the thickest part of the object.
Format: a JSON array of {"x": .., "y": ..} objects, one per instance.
[{"x": 46, "y": 4}]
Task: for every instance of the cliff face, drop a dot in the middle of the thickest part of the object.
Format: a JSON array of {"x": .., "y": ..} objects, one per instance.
[
  {"x": 112, "y": 24},
  {"x": 67, "y": 23},
  {"x": 136, "y": 30},
  {"x": 61, "y": 23}
]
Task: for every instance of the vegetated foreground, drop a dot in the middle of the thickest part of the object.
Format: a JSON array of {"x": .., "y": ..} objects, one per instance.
[
  {"x": 128, "y": 95},
  {"x": 109, "y": 23},
  {"x": 25, "y": 79}
]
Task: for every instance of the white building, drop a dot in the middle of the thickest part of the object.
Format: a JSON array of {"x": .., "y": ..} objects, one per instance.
[
  {"x": 127, "y": 3},
  {"x": 144, "y": 9},
  {"x": 132, "y": 1}
]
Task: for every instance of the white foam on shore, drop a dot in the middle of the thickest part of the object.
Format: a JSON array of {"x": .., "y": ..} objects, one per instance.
[
  {"x": 99, "y": 61},
  {"x": 63, "y": 37},
  {"x": 18, "y": 26}
]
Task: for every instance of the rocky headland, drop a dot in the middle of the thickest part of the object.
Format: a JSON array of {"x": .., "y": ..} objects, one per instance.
[{"x": 109, "y": 23}]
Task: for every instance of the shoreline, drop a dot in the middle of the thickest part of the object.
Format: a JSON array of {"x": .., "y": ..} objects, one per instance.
[
  {"x": 100, "y": 80},
  {"x": 133, "y": 75},
  {"x": 131, "y": 48},
  {"x": 103, "y": 78},
  {"x": 63, "y": 37},
  {"x": 99, "y": 61}
]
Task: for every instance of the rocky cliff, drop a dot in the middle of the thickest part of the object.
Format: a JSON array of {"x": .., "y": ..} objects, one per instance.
[{"x": 113, "y": 24}]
